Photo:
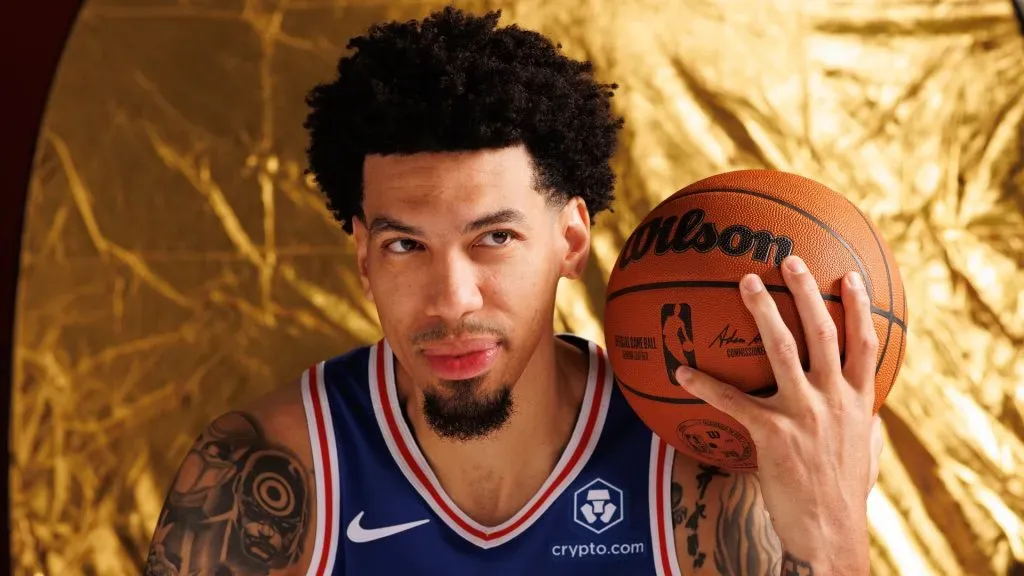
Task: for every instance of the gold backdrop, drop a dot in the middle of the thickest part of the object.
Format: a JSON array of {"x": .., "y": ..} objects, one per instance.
[{"x": 176, "y": 261}]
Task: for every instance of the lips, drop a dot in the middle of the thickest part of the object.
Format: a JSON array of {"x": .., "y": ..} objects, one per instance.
[{"x": 461, "y": 359}]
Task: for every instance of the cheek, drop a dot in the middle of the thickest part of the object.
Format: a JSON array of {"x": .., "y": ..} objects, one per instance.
[
  {"x": 394, "y": 294},
  {"x": 524, "y": 287}
]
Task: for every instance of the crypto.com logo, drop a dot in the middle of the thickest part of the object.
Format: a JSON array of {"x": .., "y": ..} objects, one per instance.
[{"x": 598, "y": 506}]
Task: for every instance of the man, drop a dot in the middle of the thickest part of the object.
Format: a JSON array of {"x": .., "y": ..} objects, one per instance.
[{"x": 468, "y": 160}]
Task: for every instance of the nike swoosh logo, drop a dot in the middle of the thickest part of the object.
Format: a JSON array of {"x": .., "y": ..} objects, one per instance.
[{"x": 357, "y": 533}]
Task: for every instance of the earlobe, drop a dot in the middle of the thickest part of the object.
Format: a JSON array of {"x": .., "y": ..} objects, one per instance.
[
  {"x": 576, "y": 233},
  {"x": 362, "y": 249}
]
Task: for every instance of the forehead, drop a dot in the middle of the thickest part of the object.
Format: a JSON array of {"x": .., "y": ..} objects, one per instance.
[{"x": 451, "y": 183}]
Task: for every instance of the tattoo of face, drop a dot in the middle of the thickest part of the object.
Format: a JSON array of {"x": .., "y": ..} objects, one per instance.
[
  {"x": 792, "y": 566},
  {"x": 746, "y": 540},
  {"x": 239, "y": 506}
]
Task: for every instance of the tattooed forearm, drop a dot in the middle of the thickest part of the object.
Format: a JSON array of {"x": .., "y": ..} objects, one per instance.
[
  {"x": 239, "y": 506},
  {"x": 690, "y": 519},
  {"x": 746, "y": 542},
  {"x": 792, "y": 566}
]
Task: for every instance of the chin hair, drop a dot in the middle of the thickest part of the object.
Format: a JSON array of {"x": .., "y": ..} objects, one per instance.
[{"x": 463, "y": 413}]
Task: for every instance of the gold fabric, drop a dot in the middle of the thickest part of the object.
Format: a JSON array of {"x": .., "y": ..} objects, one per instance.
[{"x": 177, "y": 262}]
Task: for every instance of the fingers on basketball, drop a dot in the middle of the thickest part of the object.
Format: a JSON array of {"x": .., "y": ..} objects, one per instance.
[{"x": 683, "y": 263}]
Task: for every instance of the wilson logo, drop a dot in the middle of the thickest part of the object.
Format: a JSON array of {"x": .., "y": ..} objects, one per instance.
[{"x": 690, "y": 231}]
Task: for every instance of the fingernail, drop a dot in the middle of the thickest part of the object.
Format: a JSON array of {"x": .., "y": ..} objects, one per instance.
[
  {"x": 855, "y": 280},
  {"x": 751, "y": 283},
  {"x": 795, "y": 265},
  {"x": 683, "y": 374}
]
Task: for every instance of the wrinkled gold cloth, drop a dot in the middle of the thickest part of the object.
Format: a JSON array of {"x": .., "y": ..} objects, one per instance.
[{"x": 177, "y": 262}]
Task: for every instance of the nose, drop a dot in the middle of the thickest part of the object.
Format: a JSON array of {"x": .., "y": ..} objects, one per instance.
[{"x": 453, "y": 288}]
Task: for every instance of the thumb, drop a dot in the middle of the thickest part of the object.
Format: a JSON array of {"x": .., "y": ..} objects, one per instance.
[{"x": 725, "y": 397}]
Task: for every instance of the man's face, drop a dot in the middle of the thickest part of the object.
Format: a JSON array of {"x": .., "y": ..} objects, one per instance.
[{"x": 462, "y": 256}]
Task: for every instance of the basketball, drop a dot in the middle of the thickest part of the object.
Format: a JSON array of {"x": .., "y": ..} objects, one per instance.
[{"x": 673, "y": 298}]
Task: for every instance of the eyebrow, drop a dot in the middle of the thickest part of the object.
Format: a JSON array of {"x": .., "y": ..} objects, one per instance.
[
  {"x": 388, "y": 224},
  {"x": 503, "y": 216}
]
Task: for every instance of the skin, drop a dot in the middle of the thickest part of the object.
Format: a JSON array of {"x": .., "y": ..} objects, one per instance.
[
  {"x": 456, "y": 248},
  {"x": 449, "y": 275},
  {"x": 196, "y": 517},
  {"x": 817, "y": 438}
]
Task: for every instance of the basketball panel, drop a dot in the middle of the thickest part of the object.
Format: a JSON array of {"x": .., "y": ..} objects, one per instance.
[
  {"x": 673, "y": 296},
  {"x": 720, "y": 237},
  {"x": 650, "y": 333},
  {"x": 826, "y": 205}
]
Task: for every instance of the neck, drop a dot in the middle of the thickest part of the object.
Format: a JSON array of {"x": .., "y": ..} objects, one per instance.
[{"x": 491, "y": 478}]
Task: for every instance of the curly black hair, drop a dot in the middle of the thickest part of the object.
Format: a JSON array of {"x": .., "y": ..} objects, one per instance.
[{"x": 456, "y": 82}]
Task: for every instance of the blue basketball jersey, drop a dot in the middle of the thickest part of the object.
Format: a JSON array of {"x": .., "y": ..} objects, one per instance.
[{"x": 604, "y": 509}]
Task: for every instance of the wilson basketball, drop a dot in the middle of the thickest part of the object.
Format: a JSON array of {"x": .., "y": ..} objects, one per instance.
[{"x": 673, "y": 298}]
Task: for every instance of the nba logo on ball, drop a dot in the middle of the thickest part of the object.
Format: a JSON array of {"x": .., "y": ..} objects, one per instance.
[
  {"x": 677, "y": 338},
  {"x": 598, "y": 506}
]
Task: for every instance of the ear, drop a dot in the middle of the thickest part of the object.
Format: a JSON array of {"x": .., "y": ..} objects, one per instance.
[
  {"x": 362, "y": 237},
  {"x": 574, "y": 223}
]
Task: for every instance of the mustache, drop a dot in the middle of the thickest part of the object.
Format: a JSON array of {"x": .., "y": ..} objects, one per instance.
[{"x": 464, "y": 328}]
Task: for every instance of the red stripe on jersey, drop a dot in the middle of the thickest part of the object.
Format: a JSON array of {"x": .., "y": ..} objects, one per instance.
[
  {"x": 328, "y": 470},
  {"x": 660, "y": 511},
  {"x": 403, "y": 448}
]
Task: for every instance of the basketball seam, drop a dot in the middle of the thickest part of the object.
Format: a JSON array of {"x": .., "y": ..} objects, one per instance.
[
  {"x": 764, "y": 392},
  {"x": 903, "y": 338},
  {"x": 726, "y": 284},
  {"x": 888, "y": 278},
  {"x": 795, "y": 208}
]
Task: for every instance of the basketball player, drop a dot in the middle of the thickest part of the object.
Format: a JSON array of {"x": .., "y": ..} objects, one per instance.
[
  {"x": 678, "y": 343},
  {"x": 469, "y": 160}
]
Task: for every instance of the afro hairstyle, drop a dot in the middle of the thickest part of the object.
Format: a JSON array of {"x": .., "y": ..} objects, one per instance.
[{"x": 457, "y": 82}]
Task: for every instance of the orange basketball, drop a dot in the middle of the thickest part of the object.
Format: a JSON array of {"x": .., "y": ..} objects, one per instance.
[{"x": 673, "y": 298}]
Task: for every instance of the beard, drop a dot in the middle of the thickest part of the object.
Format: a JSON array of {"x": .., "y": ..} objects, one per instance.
[
  {"x": 455, "y": 409},
  {"x": 462, "y": 414}
]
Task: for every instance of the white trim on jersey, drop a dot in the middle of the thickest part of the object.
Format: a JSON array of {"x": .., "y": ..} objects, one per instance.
[
  {"x": 325, "y": 468},
  {"x": 410, "y": 460},
  {"x": 660, "y": 502}
]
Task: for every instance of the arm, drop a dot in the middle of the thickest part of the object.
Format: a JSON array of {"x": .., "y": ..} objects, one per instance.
[
  {"x": 721, "y": 524},
  {"x": 815, "y": 437},
  {"x": 243, "y": 500}
]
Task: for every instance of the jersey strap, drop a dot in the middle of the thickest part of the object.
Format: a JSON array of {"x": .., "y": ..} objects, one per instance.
[
  {"x": 410, "y": 460},
  {"x": 325, "y": 468}
]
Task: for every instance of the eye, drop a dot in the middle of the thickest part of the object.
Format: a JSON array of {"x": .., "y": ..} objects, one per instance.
[
  {"x": 402, "y": 246},
  {"x": 497, "y": 238}
]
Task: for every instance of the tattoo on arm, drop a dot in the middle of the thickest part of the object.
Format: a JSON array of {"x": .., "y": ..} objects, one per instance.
[
  {"x": 746, "y": 541},
  {"x": 689, "y": 520},
  {"x": 792, "y": 566},
  {"x": 239, "y": 506},
  {"x": 678, "y": 511}
]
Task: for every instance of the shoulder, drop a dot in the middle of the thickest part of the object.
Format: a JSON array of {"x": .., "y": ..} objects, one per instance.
[
  {"x": 280, "y": 416},
  {"x": 720, "y": 522},
  {"x": 249, "y": 469}
]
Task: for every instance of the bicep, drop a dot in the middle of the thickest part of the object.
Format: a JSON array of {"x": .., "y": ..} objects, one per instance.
[
  {"x": 720, "y": 522},
  {"x": 240, "y": 504}
]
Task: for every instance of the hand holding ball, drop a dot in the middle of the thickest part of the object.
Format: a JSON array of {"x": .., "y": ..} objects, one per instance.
[{"x": 673, "y": 299}]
